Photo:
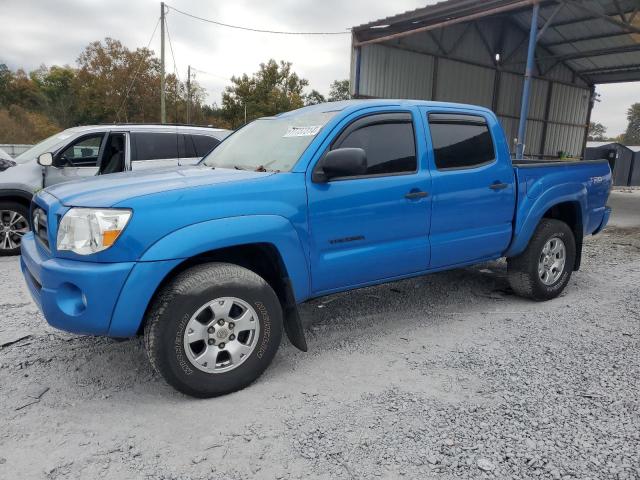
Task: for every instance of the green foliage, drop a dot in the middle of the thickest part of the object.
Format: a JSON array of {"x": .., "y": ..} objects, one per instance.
[
  {"x": 100, "y": 88},
  {"x": 273, "y": 89},
  {"x": 339, "y": 90},
  {"x": 632, "y": 135},
  {"x": 314, "y": 97},
  {"x": 597, "y": 132}
]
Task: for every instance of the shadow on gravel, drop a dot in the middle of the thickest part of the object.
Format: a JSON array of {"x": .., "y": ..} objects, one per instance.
[{"x": 97, "y": 367}]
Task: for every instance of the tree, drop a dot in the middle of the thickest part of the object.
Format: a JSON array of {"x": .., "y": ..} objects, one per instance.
[
  {"x": 632, "y": 135},
  {"x": 106, "y": 92},
  {"x": 597, "y": 132},
  {"x": 339, "y": 90},
  {"x": 273, "y": 89},
  {"x": 58, "y": 85},
  {"x": 314, "y": 97}
]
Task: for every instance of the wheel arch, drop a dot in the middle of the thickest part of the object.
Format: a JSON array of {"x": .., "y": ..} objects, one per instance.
[
  {"x": 265, "y": 260},
  {"x": 565, "y": 202},
  {"x": 18, "y": 196},
  {"x": 570, "y": 213},
  {"x": 265, "y": 244}
]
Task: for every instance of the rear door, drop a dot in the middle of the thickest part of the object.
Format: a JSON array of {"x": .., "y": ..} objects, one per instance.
[
  {"x": 150, "y": 150},
  {"x": 473, "y": 191},
  {"x": 372, "y": 227}
]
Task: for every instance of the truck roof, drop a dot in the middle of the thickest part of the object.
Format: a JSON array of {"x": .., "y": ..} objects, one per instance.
[{"x": 344, "y": 105}]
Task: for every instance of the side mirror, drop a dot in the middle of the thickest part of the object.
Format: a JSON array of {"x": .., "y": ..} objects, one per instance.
[
  {"x": 45, "y": 160},
  {"x": 342, "y": 162}
]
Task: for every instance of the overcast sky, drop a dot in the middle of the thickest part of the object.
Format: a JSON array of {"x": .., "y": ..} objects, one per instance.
[{"x": 55, "y": 32}]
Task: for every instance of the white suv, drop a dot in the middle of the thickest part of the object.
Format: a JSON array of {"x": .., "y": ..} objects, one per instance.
[{"x": 81, "y": 152}]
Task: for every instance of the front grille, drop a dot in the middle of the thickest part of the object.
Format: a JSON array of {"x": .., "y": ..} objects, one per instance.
[{"x": 40, "y": 225}]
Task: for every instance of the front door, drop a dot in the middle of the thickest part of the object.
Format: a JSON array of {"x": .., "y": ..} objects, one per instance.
[
  {"x": 77, "y": 160},
  {"x": 472, "y": 188},
  {"x": 375, "y": 226}
]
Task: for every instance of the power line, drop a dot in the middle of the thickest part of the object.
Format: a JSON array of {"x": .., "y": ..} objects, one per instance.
[
  {"x": 219, "y": 77},
  {"x": 250, "y": 29},
  {"x": 126, "y": 96}
]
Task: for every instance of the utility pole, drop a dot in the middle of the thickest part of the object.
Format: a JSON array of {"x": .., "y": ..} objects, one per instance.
[
  {"x": 163, "y": 110},
  {"x": 189, "y": 94}
]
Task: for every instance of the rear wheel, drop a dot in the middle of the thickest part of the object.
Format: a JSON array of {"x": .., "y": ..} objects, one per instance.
[
  {"x": 543, "y": 270},
  {"x": 214, "y": 329},
  {"x": 13, "y": 226}
]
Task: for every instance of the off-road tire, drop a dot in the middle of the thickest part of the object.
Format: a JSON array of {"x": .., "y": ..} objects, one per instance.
[
  {"x": 181, "y": 298},
  {"x": 22, "y": 210},
  {"x": 522, "y": 271}
]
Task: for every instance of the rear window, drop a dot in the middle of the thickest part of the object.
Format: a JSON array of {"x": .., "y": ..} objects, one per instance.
[
  {"x": 460, "y": 141},
  {"x": 154, "y": 146}
]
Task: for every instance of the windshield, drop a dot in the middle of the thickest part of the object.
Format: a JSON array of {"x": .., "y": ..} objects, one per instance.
[
  {"x": 46, "y": 145},
  {"x": 274, "y": 143}
]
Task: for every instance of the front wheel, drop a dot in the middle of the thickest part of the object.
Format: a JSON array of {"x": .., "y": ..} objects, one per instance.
[
  {"x": 543, "y": 270},
  {"x": 214, "y": 329}
]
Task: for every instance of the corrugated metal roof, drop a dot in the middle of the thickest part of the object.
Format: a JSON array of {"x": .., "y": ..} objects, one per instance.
[
  {"x": 633, "y": 148},
  {"x": 598, "y": 39}
]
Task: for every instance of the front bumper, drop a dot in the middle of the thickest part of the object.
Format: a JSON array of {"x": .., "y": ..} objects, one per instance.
[{"x": 75, "y": 296}]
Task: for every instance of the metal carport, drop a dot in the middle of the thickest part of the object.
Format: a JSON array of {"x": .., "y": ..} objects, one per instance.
[{"x": 534, "y": 62}]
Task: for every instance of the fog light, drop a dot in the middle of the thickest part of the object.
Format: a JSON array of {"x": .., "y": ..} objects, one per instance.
[{"x": 71, "y": 300}]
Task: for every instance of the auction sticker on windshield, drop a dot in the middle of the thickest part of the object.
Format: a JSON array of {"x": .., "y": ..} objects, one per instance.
[{"x": 302, "y": 131}]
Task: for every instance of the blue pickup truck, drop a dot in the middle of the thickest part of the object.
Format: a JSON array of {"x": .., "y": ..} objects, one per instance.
[{"x": 210, "y": 262}]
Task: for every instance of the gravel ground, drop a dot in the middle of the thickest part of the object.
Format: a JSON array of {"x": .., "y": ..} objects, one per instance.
[{"x": 445, "y": 376}]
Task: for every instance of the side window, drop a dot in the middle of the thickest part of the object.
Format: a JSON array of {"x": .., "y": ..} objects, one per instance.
[
  {"x": 204, "y": 144},
  {"x": 388, "y": 141},
  {"x": 154, "y": 146},
  {"x": 187, "y": 148},
  {"x": 83, "y": 152},
  {"x": 460, "y": 141}
]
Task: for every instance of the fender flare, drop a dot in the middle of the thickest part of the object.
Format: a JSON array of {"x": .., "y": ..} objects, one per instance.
[
  {"x": 226, "y": 232},
  {"x": 535, "y": 208}
]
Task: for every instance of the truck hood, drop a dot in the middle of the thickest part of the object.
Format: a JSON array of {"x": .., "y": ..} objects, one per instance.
[{"x": 108, "y": 190}]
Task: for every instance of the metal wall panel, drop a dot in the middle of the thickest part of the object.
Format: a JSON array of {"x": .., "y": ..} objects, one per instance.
[
  {"x": 635, "y": 173},
  {"x": 472, "y": 46},
  {"x": 392, "y": 73},
  {"x": 569, "y": 104},
  {"x": 534, "y": 134},
  {"x": 459, "y": 82},
  {"x": 510, "y": 94},
  {"x": 510, "y": 127},
  {"x": 510, "y": 97},
  {"x": 564, "y": 138}
]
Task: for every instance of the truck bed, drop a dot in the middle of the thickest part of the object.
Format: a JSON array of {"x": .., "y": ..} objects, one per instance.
[
  {"x": 553, "y": 163},
  {"x": 541, "y": 183}
]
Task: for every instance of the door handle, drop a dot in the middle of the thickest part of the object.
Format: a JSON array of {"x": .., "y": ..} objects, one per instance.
[
  {"x": 413, "y": 195},
  {"x": 498, "y": 186}
]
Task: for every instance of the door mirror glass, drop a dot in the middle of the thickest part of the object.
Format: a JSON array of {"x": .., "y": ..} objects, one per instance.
[
  {"x": 46, "y": 159},
  {"x": 342, "y": 162}
]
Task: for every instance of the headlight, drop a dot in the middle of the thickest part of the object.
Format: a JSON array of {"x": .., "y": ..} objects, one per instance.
[{"x": 89, "y": 230}]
